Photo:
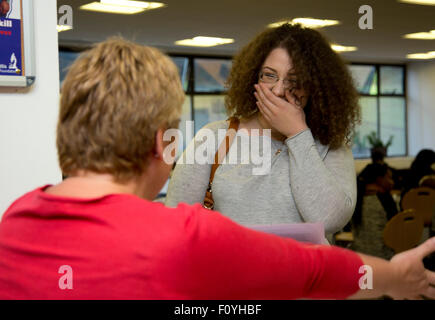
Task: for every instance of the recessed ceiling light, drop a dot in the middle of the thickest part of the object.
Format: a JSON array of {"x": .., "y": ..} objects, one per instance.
[
  {"x": 121, "y": 6},
  {"x": 427, "y": 55},
  {"x": 134, "y": 4},
  {"x": 61, "y": 28},
  {"x": 204, "y": 41},
  {"x": 340, "y": 48},
  {"x": 421, "y": 35},
  {"x": 424, "y": 2},
  {"x": 307, "y": 22}
]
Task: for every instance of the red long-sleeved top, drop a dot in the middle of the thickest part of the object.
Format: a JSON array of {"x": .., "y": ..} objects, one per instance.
[{"x": 122, "y": 247}]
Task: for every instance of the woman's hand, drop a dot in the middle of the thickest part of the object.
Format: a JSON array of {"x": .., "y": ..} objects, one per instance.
[{"x": 284, "y": 115}]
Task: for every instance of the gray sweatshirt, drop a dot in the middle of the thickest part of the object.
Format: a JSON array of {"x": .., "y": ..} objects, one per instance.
[{"x": 307, "y": 182}]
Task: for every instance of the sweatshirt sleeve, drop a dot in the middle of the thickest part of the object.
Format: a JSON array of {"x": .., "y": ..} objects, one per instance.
[
  {"x": 324, "y": 189},
  {"x": 227, "y": 261}
]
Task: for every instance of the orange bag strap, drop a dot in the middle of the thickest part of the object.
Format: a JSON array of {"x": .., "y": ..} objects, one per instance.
[{"x": 218, "y": 158}]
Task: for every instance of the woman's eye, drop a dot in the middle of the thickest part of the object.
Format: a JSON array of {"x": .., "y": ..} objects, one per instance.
[{"x": 270, "y": 75}]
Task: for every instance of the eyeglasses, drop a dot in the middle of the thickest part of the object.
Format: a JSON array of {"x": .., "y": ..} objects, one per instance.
[{"x": 272, "y": 78}]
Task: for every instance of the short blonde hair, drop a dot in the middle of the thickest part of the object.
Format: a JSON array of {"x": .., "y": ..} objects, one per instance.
[{"x": 114, "y": 99}]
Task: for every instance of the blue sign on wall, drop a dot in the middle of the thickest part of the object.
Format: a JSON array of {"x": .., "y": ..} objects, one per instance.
[{"x": 11, "y": 51}]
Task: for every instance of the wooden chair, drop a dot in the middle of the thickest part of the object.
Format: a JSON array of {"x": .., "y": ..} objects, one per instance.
[
  {"x": 421, "y": 199},
  {"x": 427, "y": 181},
  {"x": 404, "y": 231}
]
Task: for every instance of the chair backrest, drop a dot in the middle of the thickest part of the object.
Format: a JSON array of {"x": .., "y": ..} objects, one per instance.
[
  {"x": 428, "y": 181},
  {"x": 421, "y": 199},
  {"x": 404, "y": 231}
]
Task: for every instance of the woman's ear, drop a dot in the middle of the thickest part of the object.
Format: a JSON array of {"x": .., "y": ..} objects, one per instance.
[{"x": 159, "y": 145}]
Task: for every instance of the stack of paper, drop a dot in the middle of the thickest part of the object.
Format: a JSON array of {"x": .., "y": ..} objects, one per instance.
[{"x": 305, "y": 232}]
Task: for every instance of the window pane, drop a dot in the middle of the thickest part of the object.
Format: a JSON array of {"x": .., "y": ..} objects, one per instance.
[
  {"x": 393, "y": 124},
  {"x": 391, "y": 80},
  {"x": 208, "y": 109},
  {"x": 183, "y": 69},
  {"x": 369, "y": 120},
  {"x": 365, "y": 78},
  {"x": 211, "y": 74},
  {"x": 66, "y": 58}
]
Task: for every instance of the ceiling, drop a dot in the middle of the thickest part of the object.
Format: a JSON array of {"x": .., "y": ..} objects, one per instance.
[{"x": 243, "y": 19}]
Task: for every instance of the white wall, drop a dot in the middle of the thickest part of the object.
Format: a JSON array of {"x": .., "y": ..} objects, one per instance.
[
  {"x": 421, "y": 106},
  {"x": 28, "y": 156}
]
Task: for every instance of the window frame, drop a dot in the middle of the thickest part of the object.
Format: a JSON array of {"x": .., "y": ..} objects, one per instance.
[
  {"x": 379, "y": 95},
  {"x": 191, "y": 77}
]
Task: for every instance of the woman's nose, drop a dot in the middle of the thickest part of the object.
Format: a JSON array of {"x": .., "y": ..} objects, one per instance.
[{"x": 279, "y": 89}]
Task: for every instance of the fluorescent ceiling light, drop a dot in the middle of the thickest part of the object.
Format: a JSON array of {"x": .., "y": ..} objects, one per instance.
[
  {"x": 61, "y": 28},
  {"x": 424, "y": 2},
  {"x": 121, "y": 6},
  {"x": 133, "y": 4},
  {"x": 204, "y": 41},
  {"x": 427, "y": 55},
  {"x": 307, "y": 22},
  {"x": 340, "y": 48},
  {"x": 421, "y": 35}
]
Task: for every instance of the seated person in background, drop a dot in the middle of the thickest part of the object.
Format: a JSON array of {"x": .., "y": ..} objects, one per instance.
[
  {"x": 118, "y": 100},
  {"x": 375, "y": 206},
  {"x": 375, "y": 179},
  {"x": 378, "y": 155},
  {"x": 420, "y": 167}
]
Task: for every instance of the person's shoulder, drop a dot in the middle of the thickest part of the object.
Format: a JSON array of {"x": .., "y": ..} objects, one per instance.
[
  {"x": 197, "y": 216},
  {"x": 138, "y": 211},
  {"x": 24, "y": 200},
  {"x": 322, "y": 148},
  {"x": 342, "y": 153},
  {"x": 345, "y": 147},
  {"x": 158, "y": 207}
]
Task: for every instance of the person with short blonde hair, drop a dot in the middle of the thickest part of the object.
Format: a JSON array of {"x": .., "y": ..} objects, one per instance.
[
  {"x": 90, "y": 132},
  {"x": 98, "y": 235}
]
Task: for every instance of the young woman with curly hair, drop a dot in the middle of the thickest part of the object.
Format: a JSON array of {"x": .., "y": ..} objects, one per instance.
[{"x": 290, "y": 81}]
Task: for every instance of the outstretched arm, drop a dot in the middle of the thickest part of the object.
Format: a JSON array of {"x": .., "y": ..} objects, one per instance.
[{"x": 227, "y": 261}]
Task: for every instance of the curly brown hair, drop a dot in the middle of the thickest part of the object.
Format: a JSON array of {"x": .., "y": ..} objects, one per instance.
[{"x": 332, "y": 110}]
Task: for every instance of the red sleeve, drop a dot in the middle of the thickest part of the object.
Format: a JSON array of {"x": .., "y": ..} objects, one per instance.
[{"x": 224, "y": 260}]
